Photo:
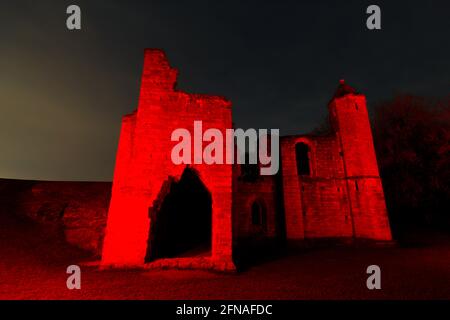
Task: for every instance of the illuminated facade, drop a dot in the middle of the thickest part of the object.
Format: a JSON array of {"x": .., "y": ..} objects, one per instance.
[{"x": 328, "y": 185}]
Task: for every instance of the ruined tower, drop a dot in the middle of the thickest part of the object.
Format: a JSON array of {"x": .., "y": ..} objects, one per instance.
[
  {"x": 149, "y": 190},
  {"x": 350, "y": 122},
  {"x": 331, "y": 185}
]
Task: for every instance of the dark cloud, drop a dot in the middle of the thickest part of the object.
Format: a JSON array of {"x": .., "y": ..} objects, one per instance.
[{"x": 62, "y": 94}]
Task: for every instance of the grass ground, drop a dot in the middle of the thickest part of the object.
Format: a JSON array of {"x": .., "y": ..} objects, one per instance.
[{"x": 33, "y": 266}]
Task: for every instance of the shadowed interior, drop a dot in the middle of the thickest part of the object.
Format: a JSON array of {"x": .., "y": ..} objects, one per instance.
[{"x": 181, "y": 224}]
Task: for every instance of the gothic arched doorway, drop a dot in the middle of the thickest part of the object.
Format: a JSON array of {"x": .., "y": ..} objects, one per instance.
[{"x": 181, "y": 219}]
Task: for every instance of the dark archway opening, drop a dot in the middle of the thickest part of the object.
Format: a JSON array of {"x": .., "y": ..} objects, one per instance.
[
  {"x": 302, "y": 157},
  {"x": 181, "y": 220}
]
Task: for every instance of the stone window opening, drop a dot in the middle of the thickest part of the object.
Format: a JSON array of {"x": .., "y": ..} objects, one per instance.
[
  {"x": 258, "y": 214},
  {"x": 302, "y": 152}
]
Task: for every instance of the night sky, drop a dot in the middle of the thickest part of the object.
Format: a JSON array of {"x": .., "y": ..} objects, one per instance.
[{"x": 63, "y": 93}]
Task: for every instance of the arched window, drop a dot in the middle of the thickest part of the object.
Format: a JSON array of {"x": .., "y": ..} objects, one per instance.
[
  {"x": 302, "y": 155},
  {"x": 258, "y": 214}
]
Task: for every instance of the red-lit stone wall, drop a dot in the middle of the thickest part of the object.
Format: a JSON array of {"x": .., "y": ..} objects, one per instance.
[
  {"x": 264, "y": 191},
  {"x": 316, "y": 205},
  {"x": 76, "y": 210},
  {"x": 350, "y": 120},
  {"x": 143, "y": 163}
]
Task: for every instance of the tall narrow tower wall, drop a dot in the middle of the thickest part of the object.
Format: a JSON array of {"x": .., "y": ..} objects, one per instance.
[{"x": 350, "y": 120}]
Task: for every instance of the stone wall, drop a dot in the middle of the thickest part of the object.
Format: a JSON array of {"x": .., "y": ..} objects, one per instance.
[
  {"x": 350, "y": 121},
  {"x": 316, "y": 204},
  {"x": 78, "y": 210},
  {"x": 263, "y": 191}
]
